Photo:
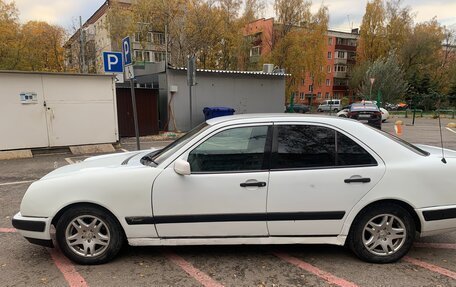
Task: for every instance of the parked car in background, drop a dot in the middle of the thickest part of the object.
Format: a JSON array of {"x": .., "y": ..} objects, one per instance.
[
  {"x": 367, "y": 113},
  {"x": 344, "y": 113},
  {"x": 249, "y": 179},
  {"x": 330, "y": 105},
  {"x": 301, "y": 109}
]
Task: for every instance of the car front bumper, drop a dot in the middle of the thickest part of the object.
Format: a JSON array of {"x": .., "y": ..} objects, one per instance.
[{"x": 35, "y": 229}]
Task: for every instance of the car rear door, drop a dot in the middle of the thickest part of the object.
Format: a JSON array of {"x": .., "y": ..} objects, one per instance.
[
  {"x": 225, "y": 194},
  {"x": 318, "y": 173}
]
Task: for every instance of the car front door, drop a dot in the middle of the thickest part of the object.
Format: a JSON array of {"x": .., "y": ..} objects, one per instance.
[
  {"x": 318, "y": 173},
  {"x": 225, "y": 194}
]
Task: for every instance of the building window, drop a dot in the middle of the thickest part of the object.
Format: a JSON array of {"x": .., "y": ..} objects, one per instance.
[
  {"x": 158, "y": 38},
  {"x": 319, "y": 95},
  {"x": 341, "y": 55},
  {"x": 330, "y": 41},
  {"x": 149, "y": 37},
  {"x": 255, "y": 51},
  {"x": 139, "y": 56},
  {"x": 137, "y": 37},
  {"x": 310, "y": 88},
  {"x": 147, "y": 56},
  {"x": 328, "y": 82},
  {"x": 301, "y": 96},
  {"x": 302, "y": 82},
  {"x": 328, "y": 69},
  {"x": 327, "y": 96},
  {"x": 159, "y": 56},
  {"x": 329, "y": 55},
  {"x": 340, "y": 68}
]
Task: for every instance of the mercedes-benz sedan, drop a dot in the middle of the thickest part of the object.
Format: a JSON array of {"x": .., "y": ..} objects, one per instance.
[{"x": 250, "y": 179}]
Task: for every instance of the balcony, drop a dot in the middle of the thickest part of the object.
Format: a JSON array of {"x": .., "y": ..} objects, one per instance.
[
  {"x": 345, "y": 47},
  {"x": 340, "y": 74},
  {"x": 342, "y": 61},
  {"x": 254, "y": 59},
  {"x": 340, "y": 88}
]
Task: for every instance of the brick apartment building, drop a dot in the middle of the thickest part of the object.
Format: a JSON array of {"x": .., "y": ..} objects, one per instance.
[{"x": 340, "y": 56}]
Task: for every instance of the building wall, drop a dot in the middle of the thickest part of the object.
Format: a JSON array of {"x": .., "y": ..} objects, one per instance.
[
  {"x": 259, "y": 33},
  {"x": 64, "y": 110},
  {"x": 244, "y": 93}
]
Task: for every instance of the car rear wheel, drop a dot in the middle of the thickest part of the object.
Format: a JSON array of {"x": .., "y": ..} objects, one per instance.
[
  {"x": 88, "y": 235},
  {"x": 382, "y": 234},
  {"x": 319, "y": 110}
]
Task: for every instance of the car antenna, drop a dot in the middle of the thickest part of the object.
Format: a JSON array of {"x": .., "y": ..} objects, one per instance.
[{"x": 441, "y": 141}]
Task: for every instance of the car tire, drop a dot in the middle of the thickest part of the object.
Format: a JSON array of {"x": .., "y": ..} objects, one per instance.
[
  {"x": 382, "y": 234},
  {"x": 336, "y": 110},
  {"x": 88, "y": 235},
  {"x": 319, "y": 110}
]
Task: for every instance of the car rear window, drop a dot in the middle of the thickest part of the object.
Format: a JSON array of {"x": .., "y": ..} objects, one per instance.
[
  {"x": 366, "y": 107},
  {"x": 403, "y": 143}
]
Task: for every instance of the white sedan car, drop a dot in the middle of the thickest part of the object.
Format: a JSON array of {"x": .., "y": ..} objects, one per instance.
[{"x": 250, "y": 179}]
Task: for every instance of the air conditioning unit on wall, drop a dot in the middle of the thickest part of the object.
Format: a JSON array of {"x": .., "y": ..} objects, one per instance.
[{"x": 268, "y": 68}]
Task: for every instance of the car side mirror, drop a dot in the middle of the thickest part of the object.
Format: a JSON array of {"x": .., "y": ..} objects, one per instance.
[{"x": 182, "y": 167}]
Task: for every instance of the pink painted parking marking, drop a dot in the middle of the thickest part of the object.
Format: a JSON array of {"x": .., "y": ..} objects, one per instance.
[
  {"x": 431, "y": 267},
  {"x": 7, "y": 230},
  {"x": 330, "y": 278},
  {"x": 73, "y": 278},
  {"x": 197, "y": 274},
  {"x": 435, "y": 245}
]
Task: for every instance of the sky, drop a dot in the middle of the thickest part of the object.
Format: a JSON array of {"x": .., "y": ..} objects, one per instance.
[{"x": 344, "y": 14}]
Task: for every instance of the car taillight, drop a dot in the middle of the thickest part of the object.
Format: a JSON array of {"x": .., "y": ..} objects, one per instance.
[
  {"x": 352, "y": 114},
  {"x": 376, "y": 114}
]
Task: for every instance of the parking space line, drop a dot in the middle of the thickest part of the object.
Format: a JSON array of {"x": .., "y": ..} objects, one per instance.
[
  {"x": 197, "y": 274},
  {"x": 435, "y": 245},
  {"x": 7, "y": 230},
  {"x": 328, "y": 277},
  {"x": 451, "y": 130},
  {"x": 16, "y": 182},
  {"x": 431, "y": 267},
  {"x": 69, "y": 160},
  {"x": 73, "y": 278}
]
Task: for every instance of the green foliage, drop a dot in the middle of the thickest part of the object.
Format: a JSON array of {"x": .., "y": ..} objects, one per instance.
[{"x": 389, "y": 80}]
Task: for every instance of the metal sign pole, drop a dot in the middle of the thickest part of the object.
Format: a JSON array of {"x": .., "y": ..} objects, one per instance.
[
  {"x": 191, "y": 71},
  {"x": 135, "y": 112}
]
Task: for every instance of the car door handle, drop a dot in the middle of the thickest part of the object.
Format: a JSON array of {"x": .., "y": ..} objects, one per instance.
[
  {"x": 359, "y": 179},
  {"x": 249, "y": 184}
]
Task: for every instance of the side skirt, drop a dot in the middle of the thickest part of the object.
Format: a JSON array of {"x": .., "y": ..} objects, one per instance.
[{"x": 333, "y": 240}]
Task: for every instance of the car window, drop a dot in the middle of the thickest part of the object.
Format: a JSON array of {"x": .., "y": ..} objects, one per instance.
[
  {"x": 301, "y": 146},
  {"x": 237, "y": 149},
  {"x": 308, "y": 146},
  {"x": 161, "y": 156}
]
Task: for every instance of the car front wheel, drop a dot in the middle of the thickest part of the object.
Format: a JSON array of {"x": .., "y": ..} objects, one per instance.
[
  {"x": 382, "y": 234},
  {"x": 88, "y": 235}
]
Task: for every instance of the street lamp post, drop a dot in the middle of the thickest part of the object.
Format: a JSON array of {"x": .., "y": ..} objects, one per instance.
[{"x": 372, "y": 80}]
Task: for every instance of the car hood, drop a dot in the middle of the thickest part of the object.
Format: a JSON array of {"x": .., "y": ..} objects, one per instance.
[
  {"x": 437, "y": 151},
  {"x": 100, "y": 162}
]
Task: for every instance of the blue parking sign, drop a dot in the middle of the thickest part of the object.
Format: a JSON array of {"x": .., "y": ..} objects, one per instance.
[
  {"x": 126, "y": 49},
  {"x": 112, "y": 62}
]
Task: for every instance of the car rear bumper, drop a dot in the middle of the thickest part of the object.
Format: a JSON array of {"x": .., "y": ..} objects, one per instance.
[
  {"x": 437, "y": 220},
  {"x": 35, "y": 229}
]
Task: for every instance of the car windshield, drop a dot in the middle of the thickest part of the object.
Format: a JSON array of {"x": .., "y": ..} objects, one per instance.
[
  {"x": 402, "y": 142},
  {"x": 164, "y": 153}
]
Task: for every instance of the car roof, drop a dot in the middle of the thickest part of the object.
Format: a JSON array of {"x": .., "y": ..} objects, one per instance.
[{"x": 277, "y": 117}]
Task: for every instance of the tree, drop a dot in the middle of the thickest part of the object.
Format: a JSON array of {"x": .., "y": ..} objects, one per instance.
[
  {"x": 389, "y": 80},
  {"x": 372, "y": 41},
  {"x": 399, "y": 24},
  {"x": 9, "y": 36},
  {"x": 253, "y": 10},
  {"x": 299, "y": 44},
  {"x": 120, "y": 23}
]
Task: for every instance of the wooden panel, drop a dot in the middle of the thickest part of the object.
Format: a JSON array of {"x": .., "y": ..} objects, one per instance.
[{"x": 147, "y": 105}]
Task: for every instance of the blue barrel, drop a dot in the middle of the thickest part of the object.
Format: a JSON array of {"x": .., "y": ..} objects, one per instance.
[{"x": 214, "y": 112}]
